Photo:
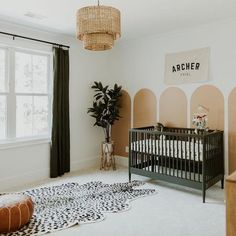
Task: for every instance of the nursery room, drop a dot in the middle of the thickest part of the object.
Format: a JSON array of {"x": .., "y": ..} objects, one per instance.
[{"x": 118, "y": 117}]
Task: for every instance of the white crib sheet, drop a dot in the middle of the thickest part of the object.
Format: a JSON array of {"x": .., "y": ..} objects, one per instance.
[{"x": 171, "y": 148}]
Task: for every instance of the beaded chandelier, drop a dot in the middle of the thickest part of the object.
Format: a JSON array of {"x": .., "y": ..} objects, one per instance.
[{"x": 98, "y": 27}]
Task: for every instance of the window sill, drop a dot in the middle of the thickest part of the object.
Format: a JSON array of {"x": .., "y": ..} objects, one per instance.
[{"x": 16, "y": 143}]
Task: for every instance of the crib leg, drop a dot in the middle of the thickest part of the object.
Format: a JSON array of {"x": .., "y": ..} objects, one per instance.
[
  {"x": 204, "y": 195},
  {"x": 222, "y": 183}
]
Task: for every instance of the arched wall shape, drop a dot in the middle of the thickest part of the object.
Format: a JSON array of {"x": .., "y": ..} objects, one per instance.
[
  {"x": 145, "y": 108},
  {"x": 210, "y": 97},
  {"x": 232, "y": 130},
  {"x": 120, "y": 130},
  {"x": 173, "y": 108}
]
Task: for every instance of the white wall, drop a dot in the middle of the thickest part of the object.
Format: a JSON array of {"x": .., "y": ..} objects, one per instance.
[
  {"x": 25, "y": 164},
  {"x": 139, "y": 63}
]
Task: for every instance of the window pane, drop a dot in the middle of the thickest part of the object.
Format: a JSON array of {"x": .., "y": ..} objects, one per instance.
[
  {"x": 31, "y": 116},
  {"x": 40, "y": 74},
  {"x": 31, "y": 73},
  {"x": 40, "y": 118},
  {"x": 2, "y": 117},
  {"x": 2, "y": 70},
  {"x": 24, "y": 116}
]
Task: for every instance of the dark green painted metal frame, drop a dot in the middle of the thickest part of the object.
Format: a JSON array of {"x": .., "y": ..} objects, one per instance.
[{"x": 209, "y": 171}]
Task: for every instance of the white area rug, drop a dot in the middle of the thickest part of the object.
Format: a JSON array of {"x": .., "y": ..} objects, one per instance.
[{"x": 62, "y": 206}]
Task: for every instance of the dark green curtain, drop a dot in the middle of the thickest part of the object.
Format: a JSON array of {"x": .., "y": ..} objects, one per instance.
[{"x": 60, "y": 144}]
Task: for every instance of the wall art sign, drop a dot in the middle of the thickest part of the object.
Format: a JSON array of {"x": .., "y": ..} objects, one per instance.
[{"x": 187, "y": 67}]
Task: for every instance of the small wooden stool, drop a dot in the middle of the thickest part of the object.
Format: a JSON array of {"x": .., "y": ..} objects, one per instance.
[{"x": 15, "y": 211}]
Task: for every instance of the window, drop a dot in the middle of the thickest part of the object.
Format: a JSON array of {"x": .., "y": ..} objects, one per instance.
[{"x": 25, "y": 94}]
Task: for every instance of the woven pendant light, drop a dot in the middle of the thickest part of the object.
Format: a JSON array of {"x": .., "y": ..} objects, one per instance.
[{"x": 98, "y": 27}]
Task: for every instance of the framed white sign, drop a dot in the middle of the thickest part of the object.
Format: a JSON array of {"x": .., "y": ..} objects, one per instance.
[{"x": 187, "y": 67}]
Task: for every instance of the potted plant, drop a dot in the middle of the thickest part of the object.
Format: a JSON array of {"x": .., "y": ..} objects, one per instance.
[{"x": 105, "y": 110}]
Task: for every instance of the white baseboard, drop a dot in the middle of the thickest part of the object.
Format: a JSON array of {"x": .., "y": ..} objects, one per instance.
[
  {"x": 39, "y": 176},
  {"x": 20, "y": 180},
  {"x": 122, "y": 161},
  {"x": 87, "y": 163}
]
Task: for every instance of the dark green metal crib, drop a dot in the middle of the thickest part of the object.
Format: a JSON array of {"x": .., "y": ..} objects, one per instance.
[{"x": 178, "y": 155}]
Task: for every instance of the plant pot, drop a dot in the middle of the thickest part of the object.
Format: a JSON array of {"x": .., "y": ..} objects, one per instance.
[{"x": 107, "y": 157}]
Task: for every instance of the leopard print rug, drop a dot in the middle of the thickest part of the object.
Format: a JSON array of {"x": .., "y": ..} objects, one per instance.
[{"x": 62, "y": 206}]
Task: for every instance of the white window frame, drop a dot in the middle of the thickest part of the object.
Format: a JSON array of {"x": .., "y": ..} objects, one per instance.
[
  {"x": 11, "y": 139},
  {"x": 6, "y": 83}
]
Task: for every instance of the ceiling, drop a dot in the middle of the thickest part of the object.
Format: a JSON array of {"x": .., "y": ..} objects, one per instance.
[{"x": 139, "y": 17}]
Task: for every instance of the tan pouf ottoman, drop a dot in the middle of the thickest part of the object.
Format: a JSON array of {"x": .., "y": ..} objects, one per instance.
[{"x": 15, "y": 211}]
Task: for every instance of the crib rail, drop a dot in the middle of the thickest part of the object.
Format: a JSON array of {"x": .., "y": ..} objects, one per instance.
[{"x": 177, "y": 155}]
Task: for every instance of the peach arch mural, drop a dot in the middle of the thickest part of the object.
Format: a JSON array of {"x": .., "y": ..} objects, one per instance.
[
  {"x": 145, "y": 108},
  {"x": 120, "y": 130},
  {"x": 173, "y": 108},
  {"x": 210, "y": 97}
]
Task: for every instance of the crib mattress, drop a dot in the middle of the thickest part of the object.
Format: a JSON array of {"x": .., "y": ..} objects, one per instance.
[{"x": 171, "y": 148}]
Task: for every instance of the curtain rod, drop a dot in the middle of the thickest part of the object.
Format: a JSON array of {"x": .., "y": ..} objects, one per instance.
[{"x": 33, "y": 39}]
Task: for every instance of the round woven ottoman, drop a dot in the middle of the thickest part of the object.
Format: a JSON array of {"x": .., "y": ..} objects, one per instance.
[{"x": 15, "y": 211}]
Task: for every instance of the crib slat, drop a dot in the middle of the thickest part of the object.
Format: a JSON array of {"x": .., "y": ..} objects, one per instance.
[
  {"x": 132, "y": 142},
  {"x": 181, "y": 156},
  {"x": 185, "y": 160},
  {"x": 177, "y": 157},
  {"x": 151, "y": 155},
  {"x": 141, "y": 149},
  {"x": 194, "y": 156},
  {"x": 162, "y": 154},
  {"x": 147, "y": 152},
  {"x": 144, "y": 152},
  {"x": 190, "y": 158},
  {"x": 137, "y": 148},
  {"x": 165, "y": 141},
  {"x": 169, "y": 156},
  {"x": 159, "y": 153},
  {"x": 154, "y": 153},
  {"x": 198, "y": 159},
  {"x": 173, "y": 157}
]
